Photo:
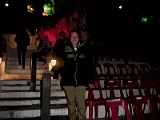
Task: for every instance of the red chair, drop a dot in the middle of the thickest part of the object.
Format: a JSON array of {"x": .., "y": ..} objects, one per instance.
[
  {"x": 155, "y": 73},
  {"x": 145, "y": 72},
  {"x": 110, "y": 86},
  {"x": 111, "y": 72},
  {"x": 99, "y": 73},
  {"x": 134, "y": 71},
  {"x": 124, "y": 73},
  {"x": 151, "y": 91},
  {"x": 137, "y": 103},
  {"x": 150, "y": 88},
  {"x": 92, "y": 101},
  {"x": 144, "y": 67},
  {"x": 131, "y": 85},
  {"x": 114, "y": 104}
]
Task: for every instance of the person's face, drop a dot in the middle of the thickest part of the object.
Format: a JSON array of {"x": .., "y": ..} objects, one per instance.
[
  {"x": 74, "y": 38},
  {"x": 62, "y": 37}
]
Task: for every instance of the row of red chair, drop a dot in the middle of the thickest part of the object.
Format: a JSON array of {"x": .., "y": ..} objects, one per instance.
[
  {"x": 133, "y": 101},
  {"x": 122, "y": 72}
]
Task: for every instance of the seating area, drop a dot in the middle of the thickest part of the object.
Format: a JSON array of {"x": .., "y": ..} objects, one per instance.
[{"x": 134, "y": 87}]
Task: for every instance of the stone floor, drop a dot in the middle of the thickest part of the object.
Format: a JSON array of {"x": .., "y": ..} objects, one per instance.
[{"x": 147, "y": 116}]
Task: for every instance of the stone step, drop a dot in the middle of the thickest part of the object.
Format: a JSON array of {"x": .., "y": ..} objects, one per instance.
[
  {"x": 33, "y": 112},
  {"x": 28, "y": 94},
  {"x": 23, "y": 71},
  {"x": 31, "y": 47},
  {"x": 25, "y": 87},
  {"x": 37, "y": 106},
  {"x": 26, "y": 82},
  {"x": 10, "y": 114},
  {"x": 13, "y": 52},
  {"x": 53, "y": 101},
  {"x": 8, "y": 67},
  {"x": 26, "y": 63},
  {"x": 16, "y": 59},
  {"x": 19, "y": 77}
]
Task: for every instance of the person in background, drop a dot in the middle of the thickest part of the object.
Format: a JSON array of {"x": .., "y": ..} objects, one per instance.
[
  {"x": 2, "y": 45},
  {"x": 59, "y": 48},
  {"x": 60, "y": 44},
  {"x": 76, "y": 74},
  {"x": 22, "y": 39}
]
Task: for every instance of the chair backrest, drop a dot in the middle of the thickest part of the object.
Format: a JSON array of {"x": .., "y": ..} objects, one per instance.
[
  {"x": 145, "y": 71},
  {"x": 114, "y": 104},
  {"x": 155, "y": 68},
  {"x": 144, "y": 67},
  {"x": 111, "y": 84},
  {"x": 150, "y": 88},
  {"x": 137, "y": 103},
  {"x": 98, "y": 71},
  {"x": 111, "y": 72},
  {"x": 97, "y": 85},
  {"x": 123, "y": 71},
  {"x": 134, "y": 71},
  {"x": 131, "y": 84}
]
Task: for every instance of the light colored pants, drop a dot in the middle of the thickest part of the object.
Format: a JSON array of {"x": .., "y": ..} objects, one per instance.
[{"x": 76, "y": 98}]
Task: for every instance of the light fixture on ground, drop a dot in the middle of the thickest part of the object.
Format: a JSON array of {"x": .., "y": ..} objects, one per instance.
[
  {"x": 56, "y": 64},
  {"x": 53, "y": 63}
]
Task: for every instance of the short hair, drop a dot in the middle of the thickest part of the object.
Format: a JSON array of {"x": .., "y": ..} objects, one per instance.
[
  {"x": 75, "y": 30},
  {"x": 62, "y": 33}
]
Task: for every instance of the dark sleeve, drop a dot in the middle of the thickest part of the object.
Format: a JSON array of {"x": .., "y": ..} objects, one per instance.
[
  {"x": 90, "y": 66},
  {"x": 55, "y": 48}
]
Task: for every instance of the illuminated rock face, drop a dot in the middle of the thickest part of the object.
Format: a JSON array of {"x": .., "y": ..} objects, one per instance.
[{"x": 50, "y": 35}]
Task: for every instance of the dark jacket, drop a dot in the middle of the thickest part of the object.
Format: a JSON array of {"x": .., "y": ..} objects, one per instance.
[
  {"x": 22, "y": 39},
  {"x": 59, "y": 47},
  {"x": 79, "y": 68}
]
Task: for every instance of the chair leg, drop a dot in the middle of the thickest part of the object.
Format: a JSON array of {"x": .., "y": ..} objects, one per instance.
[
  {"x": 90, "y": 110},
  {"x": 107, "y": 115}
]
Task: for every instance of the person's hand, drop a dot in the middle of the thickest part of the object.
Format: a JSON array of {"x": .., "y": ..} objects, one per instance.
[{"x": 51, "y": 72}]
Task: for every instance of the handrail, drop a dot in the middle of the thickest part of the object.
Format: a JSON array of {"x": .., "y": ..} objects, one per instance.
[
  {"x": 45, "y": 96},
  {"x": 33, "y": 71}
]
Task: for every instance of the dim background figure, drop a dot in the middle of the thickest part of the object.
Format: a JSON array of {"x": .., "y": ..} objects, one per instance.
[{"x": 22, "y": 39}]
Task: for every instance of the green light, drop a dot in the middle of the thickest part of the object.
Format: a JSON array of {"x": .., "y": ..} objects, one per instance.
[
  {"x": 48, "y": 9},
  {"x": 144, "y": 19},
  {"x": 52, "y": 2}
]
